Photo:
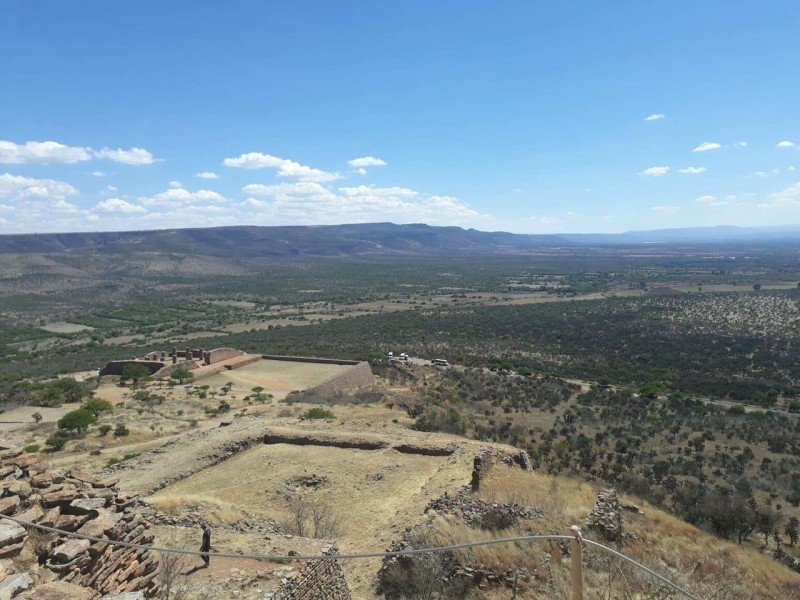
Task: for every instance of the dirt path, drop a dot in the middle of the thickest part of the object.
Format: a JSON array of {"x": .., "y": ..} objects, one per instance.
[{"x": 222, "y": 567}]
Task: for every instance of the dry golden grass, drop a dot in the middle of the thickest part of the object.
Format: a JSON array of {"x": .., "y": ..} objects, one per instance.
[
  {"x": 217, "y": 511},
  {"x": 712, "y": 568}
]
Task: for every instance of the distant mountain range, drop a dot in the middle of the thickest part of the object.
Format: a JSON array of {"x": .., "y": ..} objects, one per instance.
[{"x": 360, "y": 239}]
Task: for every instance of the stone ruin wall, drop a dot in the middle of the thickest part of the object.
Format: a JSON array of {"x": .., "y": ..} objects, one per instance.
[
  {"x": 358, "y": 375},
  {"x": 162, "y": 363},
  {"x": 316, "y": 580},
  {"x": 220, "y": 354},
  {"x": 486, "y": 459},
  {"x": 115, "y": 367},
  {"x": 165, "y": 371}
]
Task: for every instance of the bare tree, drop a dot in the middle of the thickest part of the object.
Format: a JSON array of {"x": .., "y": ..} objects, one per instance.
[{"x": 171, "y": 574}]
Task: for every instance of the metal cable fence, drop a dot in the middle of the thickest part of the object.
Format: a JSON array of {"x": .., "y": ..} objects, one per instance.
[{"x": 577, "y": 543}]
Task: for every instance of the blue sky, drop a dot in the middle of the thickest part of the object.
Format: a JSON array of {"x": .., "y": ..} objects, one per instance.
[{"x": 524, "y": 116}]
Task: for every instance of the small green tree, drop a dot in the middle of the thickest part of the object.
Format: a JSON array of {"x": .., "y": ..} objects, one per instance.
[
  {"x": 56, "y": 443},
  {"x": 121, "y": 431},
  {"x": 77, "y": 420},
  {"x": 96, "y": 406},
  {"x": 181, "y": 375},
  {"x": 652, "y": 390},
  {"x": 756, "y": 286},
  {"x": 104, "y": 429},
  {"x": 135, "y": 372},
  {"x": 37, "y": 417}
]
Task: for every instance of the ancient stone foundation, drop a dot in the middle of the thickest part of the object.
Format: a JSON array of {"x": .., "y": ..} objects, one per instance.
[{"x": 316, "y": 580}]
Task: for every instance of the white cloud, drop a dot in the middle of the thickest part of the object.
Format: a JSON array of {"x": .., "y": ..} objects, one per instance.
[
  {"x": 791, "y": 168},
  {"x": 285, "y": 167},
  {"x": 665, "y": 209},
  {"x": 98, "y": 174},
  {"x": 38, "y": 203},
  {"x": 311, "y": 202},
  {"x": 740, "y": 145},
  {"x": 655, "y": 117},
  {"x": 786, "y": 144},
  {"x": 788, "y": 198},
  {"x": 706, "y": 146},
  {"x": 119, "y": 206},
  {"x": 368, "y": 191},
  {"x": 361, "y": 171},
  {"x": 175, "y": 184},
  {"x": 134, "y": 156},
  {"x": 40, "y": 153},
  {"x": 367, "y": 161},
  {"x": 706, "y": 198},
  {"x": 292, "y": 192},
  {"x": 656, "y": 171},
  {"x": 692, "y": 170},
  {"x": 175, "y": 197},
  {"x": 111, "y": 188},
  {"x": 19, "y": 188},
  {"x": 207, "y": 175}
]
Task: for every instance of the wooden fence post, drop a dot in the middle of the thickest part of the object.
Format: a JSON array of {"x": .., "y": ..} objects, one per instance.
[{"x": 576, "y": 551}]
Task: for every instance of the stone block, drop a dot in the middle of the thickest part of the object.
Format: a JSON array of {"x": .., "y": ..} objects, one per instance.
[
  {"x": 69, "y": 550},
  {"x": 58, "y": 590},
  {"x": 10, "y": 533},
  {"x": 14, "y": 585},
  {"x": 85, "y": 506},
  {"x": 8, "y": 505}
]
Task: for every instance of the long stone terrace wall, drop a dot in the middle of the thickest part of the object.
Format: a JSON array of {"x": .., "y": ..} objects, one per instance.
[
  {"x": 115, "y": 367},
  {"x": 310, "y": 359},
  {"x": 358, "y": 375},
  {"x": 316, "y": 580}
]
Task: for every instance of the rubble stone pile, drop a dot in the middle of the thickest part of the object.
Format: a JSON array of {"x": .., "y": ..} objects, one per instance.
[
  {"x": 77, "y": 503},
  {"x": 400, "y": 576},
  {"x": 484, "y": 515}
]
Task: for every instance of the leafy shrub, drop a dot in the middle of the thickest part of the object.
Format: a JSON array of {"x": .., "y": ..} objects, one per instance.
[
  {"x": 115, "y": 461},
  {"x": 105, "y": 428},
  {"x": 32, "y": 448},
  {"x": 318, "y": 413},
  {"x": 121, "y": 431}
]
